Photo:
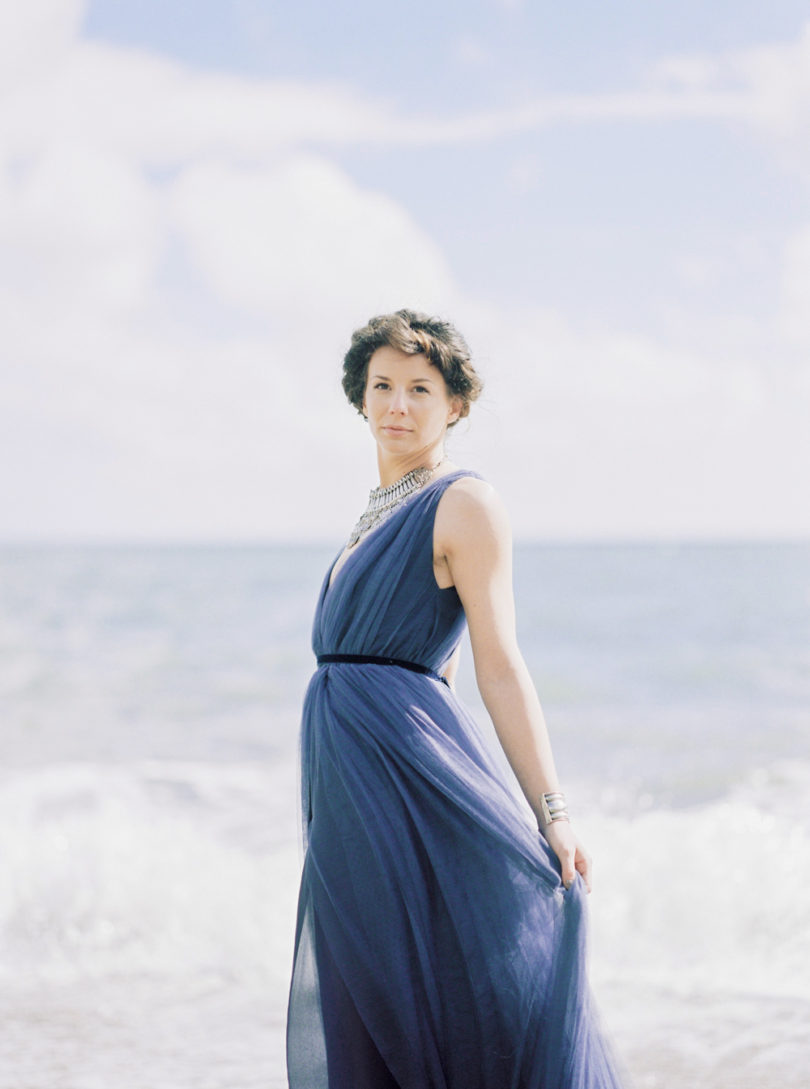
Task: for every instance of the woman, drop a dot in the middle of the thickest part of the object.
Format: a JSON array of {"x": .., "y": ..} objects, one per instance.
[{"x": 440, "y": 938}]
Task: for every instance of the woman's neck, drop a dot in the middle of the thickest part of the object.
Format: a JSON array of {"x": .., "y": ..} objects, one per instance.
[{"x": 392, "y": 469}]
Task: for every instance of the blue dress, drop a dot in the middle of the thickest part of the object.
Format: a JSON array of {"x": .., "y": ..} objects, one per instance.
[{"x": 436, "y": 947}]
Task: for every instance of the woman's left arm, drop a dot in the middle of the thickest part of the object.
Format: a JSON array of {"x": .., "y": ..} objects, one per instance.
[{"x": 472, "y": 536}]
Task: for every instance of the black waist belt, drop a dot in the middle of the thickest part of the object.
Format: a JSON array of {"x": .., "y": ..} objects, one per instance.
[{"x": 375, "y": 659}]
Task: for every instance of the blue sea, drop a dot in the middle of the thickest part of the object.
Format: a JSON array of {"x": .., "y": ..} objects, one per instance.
[{"x": 149, "y": 824}]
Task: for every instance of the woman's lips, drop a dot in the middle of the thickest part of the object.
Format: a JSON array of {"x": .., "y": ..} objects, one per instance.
[{"x": 397, "y": 430}]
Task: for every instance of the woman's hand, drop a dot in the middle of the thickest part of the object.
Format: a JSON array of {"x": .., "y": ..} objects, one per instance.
[{"x": 572, "y": 855}]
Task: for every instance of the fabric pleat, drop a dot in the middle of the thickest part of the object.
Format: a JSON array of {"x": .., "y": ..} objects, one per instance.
[{"x": 436, "y": 947}]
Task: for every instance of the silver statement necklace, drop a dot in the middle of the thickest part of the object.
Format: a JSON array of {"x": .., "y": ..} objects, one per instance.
[{"x": 382, "y": 502}]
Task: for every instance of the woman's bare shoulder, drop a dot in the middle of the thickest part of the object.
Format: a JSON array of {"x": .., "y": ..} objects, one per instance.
[
  {"x": 471, "y": 493},
  {"x": 469, "y": 508}
]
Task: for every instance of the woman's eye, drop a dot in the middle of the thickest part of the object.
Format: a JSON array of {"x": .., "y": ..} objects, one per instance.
[
  {"x": 381, "y": 385},
  {"x": 421, "y": 389}
]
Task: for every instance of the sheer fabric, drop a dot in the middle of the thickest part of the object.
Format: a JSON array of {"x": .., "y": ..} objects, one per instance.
[{"x": 436, "y": 947}]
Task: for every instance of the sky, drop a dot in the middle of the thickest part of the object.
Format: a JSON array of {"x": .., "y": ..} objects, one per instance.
[{"x": 199, "y": 203}]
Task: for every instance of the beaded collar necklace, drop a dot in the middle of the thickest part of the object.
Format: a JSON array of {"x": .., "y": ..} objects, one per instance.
[{"x": 382, "y": 502}]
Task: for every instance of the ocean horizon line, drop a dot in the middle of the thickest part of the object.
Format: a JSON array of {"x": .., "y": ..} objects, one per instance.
[{"x": 203, "y": 543}]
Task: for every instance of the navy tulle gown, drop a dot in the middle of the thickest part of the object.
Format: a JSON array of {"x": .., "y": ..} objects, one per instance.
[{"x": 436, "y": 947}]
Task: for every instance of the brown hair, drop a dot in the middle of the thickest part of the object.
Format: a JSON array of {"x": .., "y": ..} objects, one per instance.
[{"x": 415, "y": 334}]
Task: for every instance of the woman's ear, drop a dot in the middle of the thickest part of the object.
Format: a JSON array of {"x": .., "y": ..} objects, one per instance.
[{"x": 456, "y": 405}]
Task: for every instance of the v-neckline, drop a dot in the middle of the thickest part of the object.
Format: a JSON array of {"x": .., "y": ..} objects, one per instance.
[{"x": 333, "y": 576}]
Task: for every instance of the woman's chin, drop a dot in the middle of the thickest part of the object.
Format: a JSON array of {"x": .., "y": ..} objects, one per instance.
[{"x": 398, "y": 444}]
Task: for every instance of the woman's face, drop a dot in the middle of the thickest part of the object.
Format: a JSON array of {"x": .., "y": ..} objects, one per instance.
[{"x": 407, "y": 402}]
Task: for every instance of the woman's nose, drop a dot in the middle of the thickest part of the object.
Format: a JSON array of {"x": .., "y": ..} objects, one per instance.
[{"x": 399, "y": 402}]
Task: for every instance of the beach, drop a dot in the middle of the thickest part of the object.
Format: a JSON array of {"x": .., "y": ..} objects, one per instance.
[{"x": 149, "y": 823}]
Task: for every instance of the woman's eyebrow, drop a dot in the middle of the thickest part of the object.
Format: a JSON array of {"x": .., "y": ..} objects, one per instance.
[{"x": 385, "y": 378}]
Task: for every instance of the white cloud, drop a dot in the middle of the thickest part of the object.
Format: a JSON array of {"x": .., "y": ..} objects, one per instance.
[
  {"x": 34, "y": 36},
  {"x": 157, "y": 112},
  {"x": 300, "y": 238},
  {"x": 699, "y": 271},
  {"x": 766, "y": 86},
  {"x": 770, "y": 85},
  {"x": 584, "y": 433},
  {"x": 795, "y": 312},
  {"x": 470, "y": 52},
  {"x": 173, "y": 336},
  {"x": 78, "y": 222},
  {"x": 131, "y": 396}
]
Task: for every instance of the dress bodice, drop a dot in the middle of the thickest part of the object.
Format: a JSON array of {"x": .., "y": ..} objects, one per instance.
[{"x": 384, "y": 599}]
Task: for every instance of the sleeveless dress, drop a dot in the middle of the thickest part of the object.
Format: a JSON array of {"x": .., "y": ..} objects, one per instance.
[{"x": 435, "y": 947}]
